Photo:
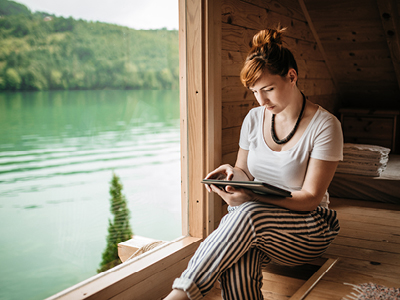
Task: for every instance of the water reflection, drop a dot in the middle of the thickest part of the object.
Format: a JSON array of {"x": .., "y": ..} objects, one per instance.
[{"x": 57, "y": 153}]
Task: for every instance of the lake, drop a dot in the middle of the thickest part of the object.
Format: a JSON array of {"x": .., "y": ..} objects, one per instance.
[{"x": 58, "y": 151}]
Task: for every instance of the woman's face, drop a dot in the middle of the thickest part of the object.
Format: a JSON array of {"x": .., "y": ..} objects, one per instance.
[{"x": 273, "y": 91}]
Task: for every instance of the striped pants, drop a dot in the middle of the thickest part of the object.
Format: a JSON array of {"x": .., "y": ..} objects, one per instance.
[{"x": 249, "y": 236}]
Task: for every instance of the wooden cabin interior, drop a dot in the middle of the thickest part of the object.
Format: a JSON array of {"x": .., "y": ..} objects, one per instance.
[{"x": 348, "y": 53}]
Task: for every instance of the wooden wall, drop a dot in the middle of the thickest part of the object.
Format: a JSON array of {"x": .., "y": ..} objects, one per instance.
[
  {"x": 348, "y": 54},
  {"x": 361, "y": 41},
  {"x": 240, "y": 21}
]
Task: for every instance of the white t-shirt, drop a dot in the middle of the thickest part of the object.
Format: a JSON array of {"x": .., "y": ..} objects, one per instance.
[{"x": 322, "y": 139}]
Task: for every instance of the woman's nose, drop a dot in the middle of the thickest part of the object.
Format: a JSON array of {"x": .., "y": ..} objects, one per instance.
[{"x": 262, "y": 100}]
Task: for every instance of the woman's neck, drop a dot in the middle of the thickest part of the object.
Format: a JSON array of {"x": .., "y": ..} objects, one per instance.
[{"x": 292, "y": 111}]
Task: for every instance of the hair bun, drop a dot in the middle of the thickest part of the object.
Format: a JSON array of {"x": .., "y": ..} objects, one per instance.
[{"x": 268, "y": 36}]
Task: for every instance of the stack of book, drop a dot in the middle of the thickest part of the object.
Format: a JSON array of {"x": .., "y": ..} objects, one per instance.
[{"x": 366, "y": 160}]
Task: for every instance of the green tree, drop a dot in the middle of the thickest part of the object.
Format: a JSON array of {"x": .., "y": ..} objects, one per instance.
[
  {"x": 63, "y": 53},
  {"x": 13, "y": 80},
  {"x": 119, "y": 230},
  {"x": 13, "y": 8}
]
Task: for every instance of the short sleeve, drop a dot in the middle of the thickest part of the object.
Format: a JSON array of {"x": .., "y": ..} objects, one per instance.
[{"x": 328, "y": 143}]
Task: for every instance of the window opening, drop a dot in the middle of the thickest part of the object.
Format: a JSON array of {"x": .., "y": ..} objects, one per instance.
[{"x": 83, "y": 96}]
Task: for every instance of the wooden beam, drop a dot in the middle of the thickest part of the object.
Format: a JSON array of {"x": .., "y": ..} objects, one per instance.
[
  {"x": 137, "y": 276},
  {"x": 213, "y": 104},
  {"x": 310, "y": 283},
  {"x": 195, "y": 110},
  {"x": 201, "y": 104},
  {"x": 183, "y": 118},
  {"x": 389, "y": 14},
  {"x": 319, "y": 44}
]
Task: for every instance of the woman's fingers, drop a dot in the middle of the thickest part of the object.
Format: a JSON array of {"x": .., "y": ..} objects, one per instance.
[{"x": 224, "y": 172}]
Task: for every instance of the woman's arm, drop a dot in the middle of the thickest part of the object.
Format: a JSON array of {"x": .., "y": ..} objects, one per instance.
[
  {"x": 241, "y": 164},
  {"x": 318, "y": 177},
  {"x": 227, "y": 172}
]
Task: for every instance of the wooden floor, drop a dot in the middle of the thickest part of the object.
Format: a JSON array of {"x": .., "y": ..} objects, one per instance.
[{"x": 368, "y": 248}]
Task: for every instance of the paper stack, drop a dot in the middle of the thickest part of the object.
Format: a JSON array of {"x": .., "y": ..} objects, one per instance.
[{"x": 367, "y": 160}]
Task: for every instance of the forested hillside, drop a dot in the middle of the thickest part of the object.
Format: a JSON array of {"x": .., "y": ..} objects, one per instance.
[{"x": 39, "y": 51}]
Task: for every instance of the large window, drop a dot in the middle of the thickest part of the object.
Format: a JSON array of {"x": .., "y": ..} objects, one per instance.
[{"x": 82, "y": 97}]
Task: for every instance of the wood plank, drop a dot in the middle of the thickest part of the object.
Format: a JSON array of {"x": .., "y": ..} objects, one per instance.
[
  {"x": 312, "y": 69},
  {"x": 334, "y": 281},
  {"x": 342, "y": 10},
  {"x": 230, "y": 140},
  {"x": 233, "y": 62},
  {"x": 367, "y": 244},
  {"x": 375, "y": 68},
  {"x": 369, "y": 216},
  {"x": 153, "y": 287},
  {"x": 328, "y": 290},
  {"x": 341, "y": 275},
  {"x": 280, "y": 285},
  {"x": 364, "y": 254},
  {"x": 233, "y": 90},
  {"x": 229, "y": 158},
  {"x": 372, "y": 228},
  {"x": 235, "y": 38},
  {"x": 362, "y": 234},
  {"x": 316, "y": 86},
  {"x": 250, "y": 16},
  {"x": 390, "y": 18},
  {"x": 383, "y": 271},
  {"x": 364, "y": 127},
  {"x": 128, "y": 275},
  {"x": 350, "y": 205},
  {"x": 213, "y": 106},
  {"x": 318, "y": 41},
  {"x": 183, "y": 119},
  {"x": 233, "y": 113},
  {"x": 366, "y": 97},
  {"x": 312, "y": 282},
  {"x": 196, "y": 95},
  {"x": 289, "y": 8},
  {"x": 374, "y": 53},
  {"x": 366, "y": 79},
  {"x": 352, "y": 31}
]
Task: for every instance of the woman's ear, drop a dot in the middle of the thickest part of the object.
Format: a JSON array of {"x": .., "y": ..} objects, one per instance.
[{"x": 292, "y": 75}]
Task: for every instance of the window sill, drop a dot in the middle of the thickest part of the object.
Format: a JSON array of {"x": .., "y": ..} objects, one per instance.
[{"x": 148, "y": 276}]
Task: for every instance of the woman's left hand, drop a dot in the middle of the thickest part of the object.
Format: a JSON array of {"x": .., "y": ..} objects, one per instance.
[{"x": 234, "y": 196}]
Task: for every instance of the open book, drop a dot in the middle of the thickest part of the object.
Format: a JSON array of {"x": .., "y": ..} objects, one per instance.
[{"x": 255, "y": 186}]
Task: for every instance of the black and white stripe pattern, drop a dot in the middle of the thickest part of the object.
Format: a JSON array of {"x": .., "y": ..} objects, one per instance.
[{"x": 250, "y": 235}]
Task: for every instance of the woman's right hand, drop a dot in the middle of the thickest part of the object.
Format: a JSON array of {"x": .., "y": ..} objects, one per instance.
[
  {"x": 227, "y": 172},
  {"x": 224, "y": 172}
]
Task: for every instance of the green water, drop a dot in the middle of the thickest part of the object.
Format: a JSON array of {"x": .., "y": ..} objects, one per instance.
[{"x": 57, "y": 154}]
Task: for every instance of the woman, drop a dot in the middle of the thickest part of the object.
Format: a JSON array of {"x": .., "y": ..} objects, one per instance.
[{"x": 289, "y": 142}]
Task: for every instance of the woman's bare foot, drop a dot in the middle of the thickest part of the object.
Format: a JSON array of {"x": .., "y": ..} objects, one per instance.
[{"x": 177, "y": 295}]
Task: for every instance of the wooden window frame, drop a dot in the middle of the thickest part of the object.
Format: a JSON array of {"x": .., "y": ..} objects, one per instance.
[{"x": 150, "y": 276}]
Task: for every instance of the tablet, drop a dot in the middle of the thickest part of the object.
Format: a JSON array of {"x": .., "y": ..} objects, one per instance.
[{"x": 255, "y": 186}]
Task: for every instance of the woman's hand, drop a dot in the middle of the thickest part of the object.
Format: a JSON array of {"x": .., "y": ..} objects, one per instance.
[
  {"x": 224, "y": 172},
  {"x": 234, "y": 196}
]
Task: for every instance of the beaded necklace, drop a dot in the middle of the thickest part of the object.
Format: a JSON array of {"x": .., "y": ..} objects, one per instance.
[{"x": 290, "y": 135}]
